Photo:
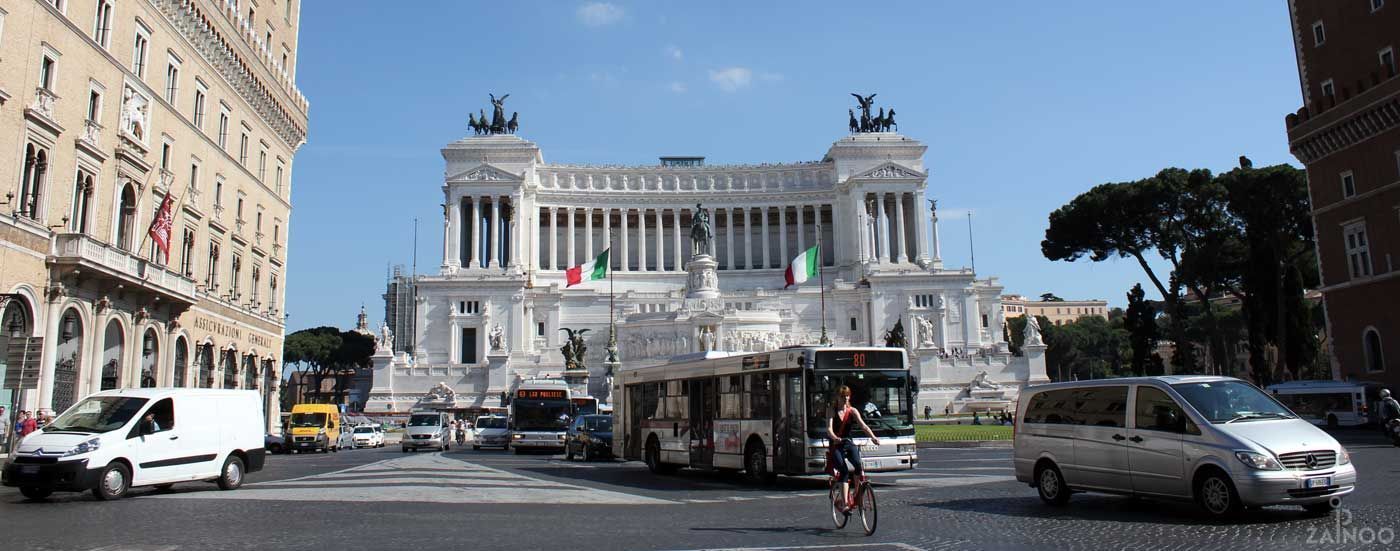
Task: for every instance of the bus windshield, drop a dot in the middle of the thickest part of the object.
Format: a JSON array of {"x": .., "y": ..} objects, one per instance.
[
  {"x": 314, "y": 420},
  {"x": 540, "y": 415},
  {"x": 882, "y": 397}
]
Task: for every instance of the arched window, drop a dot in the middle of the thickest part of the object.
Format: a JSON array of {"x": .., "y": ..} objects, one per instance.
[
  {"x": 82, "y": 198},
  {"x": 36, "y": 164},
  {"x": 1375, "y": 356},
  {"x": 182, "y": 354},
  {"x": 126, "y": 218}
]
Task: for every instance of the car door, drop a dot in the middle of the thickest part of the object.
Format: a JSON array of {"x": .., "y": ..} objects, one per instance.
[
  {"x": 1100, "y": 438},
  {"x": 159, "y": 453},
  {"x": 1154, "y": 448}
]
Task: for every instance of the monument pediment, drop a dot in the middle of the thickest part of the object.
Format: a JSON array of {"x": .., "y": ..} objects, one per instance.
[
  {"x": 484, "y": 172},
  {"x": 891, "y": 171}
]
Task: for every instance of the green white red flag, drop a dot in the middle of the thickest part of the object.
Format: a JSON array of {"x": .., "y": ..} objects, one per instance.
[
  {"x": 802, "y": 268},
  {"x": 588, "y": 271}
]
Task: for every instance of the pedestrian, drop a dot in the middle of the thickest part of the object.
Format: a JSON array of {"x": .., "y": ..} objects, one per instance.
[
  {"x": 28, "y": 425},
  {"x": 975, "y": 419},
  {"x": 928, "y": 412},
  {"x": 1390, "y": 408},
  {"x": 948, "y": 409}
]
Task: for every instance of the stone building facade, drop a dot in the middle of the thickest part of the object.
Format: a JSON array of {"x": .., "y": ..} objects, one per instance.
[
  {"x": 1348, "y": 135},
  {"x": 496, "y": 311},
  {"x": 108, "y": 108}
]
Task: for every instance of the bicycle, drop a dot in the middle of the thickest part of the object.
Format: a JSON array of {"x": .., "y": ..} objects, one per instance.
[{"x": 864, "y": 503}]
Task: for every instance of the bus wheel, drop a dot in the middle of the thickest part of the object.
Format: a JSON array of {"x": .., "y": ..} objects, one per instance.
[
  {"x": 653, "y": 458},
  {"x": 756, "y": 464}
]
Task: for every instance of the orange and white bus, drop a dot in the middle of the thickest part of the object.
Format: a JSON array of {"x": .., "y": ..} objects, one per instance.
[{"x": 763, "y": 413}]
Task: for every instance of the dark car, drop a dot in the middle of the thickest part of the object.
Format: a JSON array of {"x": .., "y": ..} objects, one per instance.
[
  {"x": 274, "y": 443},
  {"x": 589, "y": 436}
]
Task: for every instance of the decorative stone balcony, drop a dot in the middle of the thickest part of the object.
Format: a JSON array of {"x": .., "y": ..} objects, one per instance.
[
  {"x": 92, "y": 134},
  {"x": 42, "y": 109},
  {"x": 92, "y": 258}
]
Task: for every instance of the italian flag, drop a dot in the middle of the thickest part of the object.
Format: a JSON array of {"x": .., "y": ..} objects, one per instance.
[
  {"x": 803, "y": 267},
  {"x": 588, "y": 271}
]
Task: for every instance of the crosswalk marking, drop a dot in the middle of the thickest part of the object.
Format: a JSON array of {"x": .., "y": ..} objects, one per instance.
[{"x": 429, "y": 478}]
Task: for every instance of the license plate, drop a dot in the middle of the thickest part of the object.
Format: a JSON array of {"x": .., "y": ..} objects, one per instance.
[
  {"x": 29, "y": 469},
  {"x": 1319, "y": 482}
]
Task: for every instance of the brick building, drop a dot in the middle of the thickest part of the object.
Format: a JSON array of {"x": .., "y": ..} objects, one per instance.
[{"x": 1348, "y": 135}]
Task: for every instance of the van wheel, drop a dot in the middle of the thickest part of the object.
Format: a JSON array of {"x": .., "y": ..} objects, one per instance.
[
  {"x": 1051, "y": 485},
  {"x": 232, "y": 474},
  {"x": 113, "y": 482},
  {"x": 1217, "y": 496},
  {"x": 35, "y": 493}
]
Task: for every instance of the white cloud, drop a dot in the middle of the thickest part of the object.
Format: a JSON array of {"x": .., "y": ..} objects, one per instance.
[
  {"x": 771, "y": 77},
  {"x": 598, "y": 14},
  {"x": 732, "y": 79},
  {"x": 674, "y": 53},
  {"x": 678, "y": 87}
]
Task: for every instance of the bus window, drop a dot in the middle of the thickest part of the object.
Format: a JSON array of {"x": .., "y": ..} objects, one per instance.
[
  {"x": 730, "y": 396},
  {"x": 651, "y": 403},
  {"x": 758, "y": 403}
]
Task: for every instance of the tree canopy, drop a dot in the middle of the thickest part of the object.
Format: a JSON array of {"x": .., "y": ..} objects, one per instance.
[{"x": 322, "y": 353}]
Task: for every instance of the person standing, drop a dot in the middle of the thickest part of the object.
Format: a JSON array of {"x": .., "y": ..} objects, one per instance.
[
  {"x": 928, "y": 412},
  {"x": 27, "y": 425}
]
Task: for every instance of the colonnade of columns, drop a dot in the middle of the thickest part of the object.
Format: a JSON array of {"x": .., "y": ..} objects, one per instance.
[
  {"x": 887, "y": 234},
  {"x": 479, "y": 232}
]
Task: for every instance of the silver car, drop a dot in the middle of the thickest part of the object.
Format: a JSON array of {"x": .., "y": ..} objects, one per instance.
[
  {"x": 1219, "y": 441},
  {"x": 427, "y": 430},
  {"x": 491, "y": 431}
]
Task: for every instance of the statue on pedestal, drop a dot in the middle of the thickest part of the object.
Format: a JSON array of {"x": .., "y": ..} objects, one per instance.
[
  {"x": 497, "y": 338},
  {"x": 700, "y": 232},
  {"x": 894, "y": 338},
  {"x": 573, "y": 348},
  {"x": 926, "y": 335},
  {"x": 1032, "y": 331},
  {"x": 980, "y": 382},
  {"x": 441, "y": 393}
]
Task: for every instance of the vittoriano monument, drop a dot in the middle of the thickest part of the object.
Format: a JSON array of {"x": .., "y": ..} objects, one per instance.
[
  {"x": 880, "y": 122},
  {"x": 498, "y": 123}
]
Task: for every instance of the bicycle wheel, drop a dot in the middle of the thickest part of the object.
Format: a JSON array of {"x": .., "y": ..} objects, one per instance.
[
  {"x": 865, "y": 500},
  {"x": 833, "y": 498}
]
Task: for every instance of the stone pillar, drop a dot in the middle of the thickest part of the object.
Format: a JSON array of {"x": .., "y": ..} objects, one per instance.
[
  {"x": 763, "y": 238},
  {"x": 607, "y": 235},
  {"x": 553, "y": 239},
  {"x": 748, "y": 239},
  {"x": 801, "y": 239},
  {"x": 48, "y": 355},
  {"x": 534, "y": 240},
  {"x": 783, "y": 256},
  {"x": 837, "y": 248},
  {"x": 570, "y": 258},
  {"x": 474, "y": 255},
  {"x": 642, "y": 239},
  {"x": 729, "y": 239},
  {"x": 933, "y": 238},
  {"x": 622, "y": 221},
  {"x": 451, "y": 228},
  {"x": 862, "y": 226},
  {"x": 881, "y": 228},
  {"x": 676, "y": 239},
  {"x": 899, "y": 228},
  {"x": 972, "y": 320},
  {"x": 921, "y": 236},
  {"x": 660, "y": 242},
  {"x": 588, "y": 234},
  {"x": 496, "y": 240},
  {"x": 942, "y": 309}
]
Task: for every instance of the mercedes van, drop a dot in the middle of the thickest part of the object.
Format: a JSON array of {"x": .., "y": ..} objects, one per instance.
[
  {"x": 314, "y": 427},
  {"x": 1218, "y": 441},
  {"x": 427, "y": 429},
  {"x": 115, "y": 440}
]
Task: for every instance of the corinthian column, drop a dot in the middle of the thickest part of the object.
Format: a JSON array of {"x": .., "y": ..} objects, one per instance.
[
  {"x": 660, "y": 242},
  {"x": 729, "y": 239},
  {"x": 607, "y": 235},
  {"x": 748, "y": 239},
  {"x": 496, "y": 240},
  {"x": 623, "y": 222},
  {"x": 588, "y": 234},
  {"x": 764, "y": 237},
  {"x": 642, "y": 240},
  {"x": 569, "y": 257},
  {"x": 676, "y": 239},
  {"x": 899, "y": 227},
  {"x": 882, "y": 227},
  {"x": 783, "y": 256},
  {"x": 801, "y": 240},
  {"x": 450, "y": 227},
  {"x": 553, "y": 239}
]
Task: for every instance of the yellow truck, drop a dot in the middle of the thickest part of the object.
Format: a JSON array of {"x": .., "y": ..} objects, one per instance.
[{"x": 313, "y": 427}]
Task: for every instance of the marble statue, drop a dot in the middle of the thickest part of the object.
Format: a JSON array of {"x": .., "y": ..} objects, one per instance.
[
  {"x": 497, "y": 337},
  {"x": 134, "y": 114},
  {"x": 1032, "y": 331},
  {"x": 926, "y": 335},
  {"x": 980, "y": 382},
  {"x": 441, "y": 393},
  {"x": 386, "y": 337}
]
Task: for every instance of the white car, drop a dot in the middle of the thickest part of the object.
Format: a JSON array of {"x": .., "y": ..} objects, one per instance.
[{"x": 369, "y": 436}]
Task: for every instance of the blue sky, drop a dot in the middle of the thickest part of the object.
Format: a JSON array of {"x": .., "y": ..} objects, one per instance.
[{"x": 1023, "y": 104}]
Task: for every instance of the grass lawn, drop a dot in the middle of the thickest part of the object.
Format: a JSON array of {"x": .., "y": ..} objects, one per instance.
[{"x": 950, "y": 433}]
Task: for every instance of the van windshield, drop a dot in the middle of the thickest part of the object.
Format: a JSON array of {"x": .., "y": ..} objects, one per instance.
[
  {"x": 302, "y": 420},
  {"x": 1232, "y": 401},
  {"x": 490, "y": 422},
  {"x": 433, "y": 420},
  {"x": 97, "y": 414}
]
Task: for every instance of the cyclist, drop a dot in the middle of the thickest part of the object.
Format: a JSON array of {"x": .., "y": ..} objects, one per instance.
[{"x": 838, "y": 430}]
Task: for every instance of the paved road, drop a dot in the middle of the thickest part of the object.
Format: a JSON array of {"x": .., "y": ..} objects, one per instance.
[{"x": 381, "y": 498}]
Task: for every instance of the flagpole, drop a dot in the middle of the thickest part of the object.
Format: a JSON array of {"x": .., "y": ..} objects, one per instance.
[{"x": 821, "y": 280}]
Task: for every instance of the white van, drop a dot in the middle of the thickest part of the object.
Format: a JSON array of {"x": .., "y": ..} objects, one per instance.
[
  {"x": 1219, "y": 441},
  {"x": 117, "y": 439}
]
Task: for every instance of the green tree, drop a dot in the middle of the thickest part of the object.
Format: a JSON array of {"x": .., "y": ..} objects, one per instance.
[
  {"x": 322, "y": 353},
  {"x": 1140, "y": 322},
  {"x": 1088, "y": 348},
  {"x": 1050, "y": 297}
]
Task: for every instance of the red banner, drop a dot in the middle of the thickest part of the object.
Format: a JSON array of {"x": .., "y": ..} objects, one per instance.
[{"x": 161, "y": 226}]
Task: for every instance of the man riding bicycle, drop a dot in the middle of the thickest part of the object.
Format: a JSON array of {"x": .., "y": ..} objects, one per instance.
[{"x": 838, "y": 430}]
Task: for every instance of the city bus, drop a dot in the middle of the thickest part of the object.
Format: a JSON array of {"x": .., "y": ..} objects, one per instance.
[
  {"x": 540, "y": 411},
  {"x": 585, "y": 405},
  {"x": 763, "y": 413},
  {"x": 1330, "y": 403}
]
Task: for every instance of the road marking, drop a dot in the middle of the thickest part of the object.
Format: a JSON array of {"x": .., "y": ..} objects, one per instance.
[
  {"x": 900, "y": 546},
  {"x": 424, "y": 478}
]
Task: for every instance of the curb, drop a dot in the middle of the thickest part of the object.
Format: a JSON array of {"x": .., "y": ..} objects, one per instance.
[{"x": 966, "y": 444}]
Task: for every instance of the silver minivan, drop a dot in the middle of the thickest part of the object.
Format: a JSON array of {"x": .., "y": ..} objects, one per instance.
[
  {"x": 427, "y": 429},
  {"x": 1219, "y": 441}
]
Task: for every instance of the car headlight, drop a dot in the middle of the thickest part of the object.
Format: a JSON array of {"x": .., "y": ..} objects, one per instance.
[
  {"x": 1258, "y": 461},
  {"x": 87, "y": 446},
  {"x": 1344, "y": 458},
  {"x": 321, "y": 432},
  {"x": 561, "y": 437},
  {"x": 517, "y": 436}
]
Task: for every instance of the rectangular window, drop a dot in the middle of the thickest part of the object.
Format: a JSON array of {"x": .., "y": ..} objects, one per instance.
[
  {"x": 165, "y": 155},
  {"x": 262, "y": 165},
  {"x": 139, "y": 49},
  {"x": 235, "y": 275},
  {"x": 1387, "y": 59},
  {"x": 539, "y": 329},
  {"x": 1348, "y": 184},
  {"x": 187, "y": 253},
  {"x": 1357, "y": 249},
  {"x": 272, "y": 292},
  {"x": 218, "y": 193},
  {"x": 102, "y": 24},
  {"x": 287, "y": 14},
  {"x": 277, "y": 183},
  {"x": 243, "y": 149},
  {"x": 82, "y": 200},
  {"x": 238, "y": 212},
  {"x": 94, "y": 110},
  {"x": 46, "y": 73},
  {"x": 211, "y": 269},
  {"x": 199, "y": 95},
  {"x": 1102, "y": 406},
  {"x": 172, "y": 81},
  {"x": 257, "y": 221},
  {"x": 194, "y": 177},
  {"x": 1328, "y": 89},
  {"x": 1319, "y": 35},
  {"x": 468, "y": 345},
  {"x": 853, "y": 324},
  {"x": 223, "y": 127},
  {"x": 257, "y": 283}
]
